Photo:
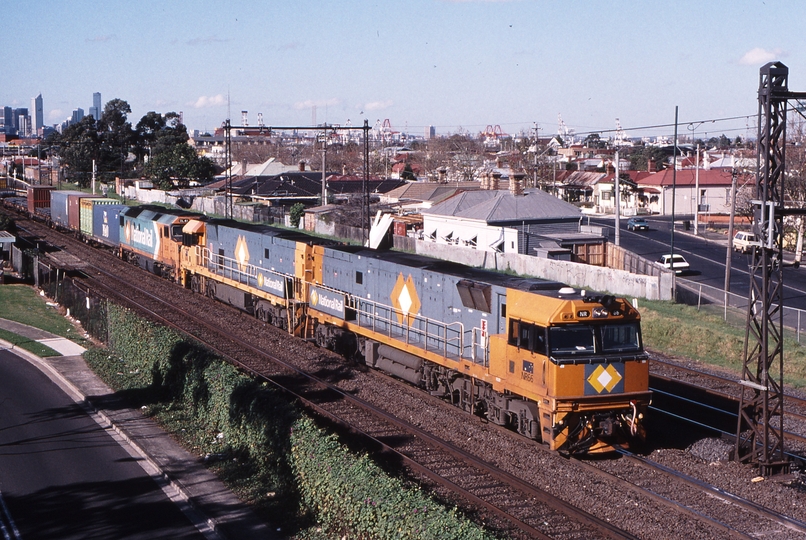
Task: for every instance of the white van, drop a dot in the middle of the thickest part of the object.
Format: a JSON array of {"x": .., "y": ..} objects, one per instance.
[{"x": 744, "y": 241}]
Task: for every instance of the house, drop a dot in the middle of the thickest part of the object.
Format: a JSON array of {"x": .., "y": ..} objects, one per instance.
[
  {"x": 420, "y": 195},
  {"x": 710, "y": 188},
  {"x": 529, "y": 222}
]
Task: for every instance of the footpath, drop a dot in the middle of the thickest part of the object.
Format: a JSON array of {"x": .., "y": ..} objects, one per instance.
[{"x": 215, "y": 510}]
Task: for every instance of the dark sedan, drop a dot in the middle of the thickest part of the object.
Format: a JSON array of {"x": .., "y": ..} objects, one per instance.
[{"x": 637, "y": 224}]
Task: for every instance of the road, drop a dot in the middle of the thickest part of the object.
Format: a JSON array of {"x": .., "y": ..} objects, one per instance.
[
  {"x": 63, "y": 476},
  {"x": 706, "y": 254}
]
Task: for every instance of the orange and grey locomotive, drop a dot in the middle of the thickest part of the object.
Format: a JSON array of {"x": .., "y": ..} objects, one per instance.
[{"x": 558, "y": 365}]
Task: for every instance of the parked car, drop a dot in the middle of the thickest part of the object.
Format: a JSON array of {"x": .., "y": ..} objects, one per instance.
[
  {"x": 678, "y": 263},
  {"x": 744, "y": 241},
  {"x": 637, "y": 224}
]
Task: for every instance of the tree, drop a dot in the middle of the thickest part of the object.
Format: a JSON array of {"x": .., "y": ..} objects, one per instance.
[
  {"x": 795, "y": 184},
  {"x": 178, "y": 164},
  {"x": 79, "y": 145},
  {"x": 116, "y": 137},
  {"x": 296, "y": 213},
  {"x": 169, "y": 159},
  {"x": 146, "y": 134}
]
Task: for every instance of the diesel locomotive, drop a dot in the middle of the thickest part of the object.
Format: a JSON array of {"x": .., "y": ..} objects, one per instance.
[
  {"x": 559, "y": 365},
  {"x": 562, "y": 366}
]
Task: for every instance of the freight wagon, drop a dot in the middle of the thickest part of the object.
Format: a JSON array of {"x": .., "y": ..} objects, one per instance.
[{"x": 106, "y": 223}]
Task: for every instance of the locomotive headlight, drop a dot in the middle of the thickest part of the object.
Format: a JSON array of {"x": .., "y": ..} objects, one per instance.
[{"x": 600, "y": 312}]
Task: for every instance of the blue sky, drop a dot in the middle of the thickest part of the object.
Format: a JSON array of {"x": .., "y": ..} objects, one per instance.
[{"x": 456, "y": 65}]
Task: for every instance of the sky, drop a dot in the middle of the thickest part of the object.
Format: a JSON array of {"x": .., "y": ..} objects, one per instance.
[{"x": 457, "y": 65}]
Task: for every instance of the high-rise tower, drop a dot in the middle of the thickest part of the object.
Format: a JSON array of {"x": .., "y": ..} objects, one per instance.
[
  {"x": 37, "y": 117},
  {"x": 95, "y": 110}
]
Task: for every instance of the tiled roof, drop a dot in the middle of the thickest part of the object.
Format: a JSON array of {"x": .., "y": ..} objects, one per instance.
[
  {"x": 502, "y": 207},
  {"x": 688, "y": 177}
]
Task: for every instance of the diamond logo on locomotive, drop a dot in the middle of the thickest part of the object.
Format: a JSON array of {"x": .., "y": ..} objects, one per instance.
[
  {"x": 602, "y": 378},
  {"x": 404, "y": 298}
]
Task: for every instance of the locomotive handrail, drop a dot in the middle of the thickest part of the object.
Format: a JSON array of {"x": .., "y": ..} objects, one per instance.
[
  {"x": 377, "y": 312},
  {"x": 230, "y": 265}
]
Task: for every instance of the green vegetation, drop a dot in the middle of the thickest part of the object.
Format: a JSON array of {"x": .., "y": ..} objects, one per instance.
[
  {"x": 681, "y": 330},
  {"x": 294, "y": 474},
  {"x": 25, "y": 343},
  {"x": 20, "y": 303}
]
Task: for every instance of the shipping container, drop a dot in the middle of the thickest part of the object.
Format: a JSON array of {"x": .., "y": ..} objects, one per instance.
[
  {"x": 106, "y": 223},
  {"x": 86, "y": 213},
  {"x": 39, "y": 197},
  {"x": 60, "y": 208}
]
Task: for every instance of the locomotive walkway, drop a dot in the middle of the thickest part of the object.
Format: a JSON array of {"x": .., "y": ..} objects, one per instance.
[{"x": 209, "y": 500}]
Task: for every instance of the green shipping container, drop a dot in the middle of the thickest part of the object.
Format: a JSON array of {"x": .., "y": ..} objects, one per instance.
[{"x": 85, "y": 218}]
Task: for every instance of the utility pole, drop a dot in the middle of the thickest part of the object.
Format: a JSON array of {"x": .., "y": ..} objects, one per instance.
[
  {"x": 324, "y": 168},
  {"x": 697, "y": 194},
  {"x": 618, "y": 205},
  {"x": 730, "y": 232}
]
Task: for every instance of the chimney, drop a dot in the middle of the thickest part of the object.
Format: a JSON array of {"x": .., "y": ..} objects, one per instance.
[
  {"x": 344, "y": 170},
  {"x": 443, "y": 175},
  {"x": 485, "y": 180},
  {"x": 650, "y": 165},
  {"x": 499, "y": 162},
  {"x": 611, "y": 169},
  {"x": 244, "y": 167},
  {"x": 516, "y": 183},
  {"x": 495, "y": 180},
  {"x": 301, "y": 166}
]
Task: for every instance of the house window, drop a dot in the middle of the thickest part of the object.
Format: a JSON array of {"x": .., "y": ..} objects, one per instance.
[
  {"x": 606, "y": 195},
  {"x": 266, "y": 253},
  {"x": 359, "y": 278}
]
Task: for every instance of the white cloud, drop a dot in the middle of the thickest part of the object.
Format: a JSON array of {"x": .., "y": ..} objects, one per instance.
[
  {"x": 210, "y": 40},
  {"x": 307, "y": 104},
  {"x": 378, "y": 105},
  {"x": 56, "y": 115},
  {"x": 209, "y": 101},
  {"x": 759, "y": 56},
  {"x": 102, "y": 39}
]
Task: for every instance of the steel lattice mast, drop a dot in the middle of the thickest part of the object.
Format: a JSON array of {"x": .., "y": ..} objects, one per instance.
[{"x": 760, "y": 429}]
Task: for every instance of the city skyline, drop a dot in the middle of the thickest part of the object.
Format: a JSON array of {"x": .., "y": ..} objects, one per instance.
[{"x": 456, "y": 65}]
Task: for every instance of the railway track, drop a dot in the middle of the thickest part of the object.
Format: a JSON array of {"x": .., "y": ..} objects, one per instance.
[
  {"x": 712, "y": 402},
  {"x": 529, "y": 510},
  {"x": 682, "y": 510}
]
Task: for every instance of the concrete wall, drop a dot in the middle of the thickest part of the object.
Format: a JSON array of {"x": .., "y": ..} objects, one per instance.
[{"x": 581, "y": 276}]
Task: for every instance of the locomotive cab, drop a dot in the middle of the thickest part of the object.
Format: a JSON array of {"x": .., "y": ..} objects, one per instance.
[{"x": 583, "y": 365}]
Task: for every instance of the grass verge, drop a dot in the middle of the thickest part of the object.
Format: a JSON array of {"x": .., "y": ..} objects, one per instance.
[
  {"x": 681, "y": 330},
  {"x": 34, "y": 347},
  {"x": 20, "y": 303}
]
